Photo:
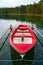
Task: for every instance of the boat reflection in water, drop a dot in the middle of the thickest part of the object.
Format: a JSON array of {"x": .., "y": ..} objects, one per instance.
[{"x": 27, "y": 59}]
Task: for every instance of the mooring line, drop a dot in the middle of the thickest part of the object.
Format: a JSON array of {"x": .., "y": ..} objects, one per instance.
[
  {"x": 39, "y": 33},
  {"x": 38, "y": 39},
  {"x": 24, "y": 60},
  {"x": 4, "y": 41}
]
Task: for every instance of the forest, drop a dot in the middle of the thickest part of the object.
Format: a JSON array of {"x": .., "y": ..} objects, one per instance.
[{"x": 29, "y": 9}]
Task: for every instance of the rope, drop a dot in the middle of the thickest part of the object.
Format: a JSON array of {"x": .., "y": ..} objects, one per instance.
[
  {"x": 38, "y": 39},
  {"x": 4, "y": 42},
  {"x": 24, "y": 60}
]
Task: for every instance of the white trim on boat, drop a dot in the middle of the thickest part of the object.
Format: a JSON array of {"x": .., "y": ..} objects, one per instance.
[
  {"x": 21, "y": 30},
  {"x": 25, "y": 41},
  {"x": 22, "y": 34}
]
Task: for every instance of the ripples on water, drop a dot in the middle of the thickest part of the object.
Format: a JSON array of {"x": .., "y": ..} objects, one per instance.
[{"x": 7, "y": 54}]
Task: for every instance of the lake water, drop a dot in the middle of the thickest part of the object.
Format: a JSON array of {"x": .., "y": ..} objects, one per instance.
[{"x": 8, "y": 56}]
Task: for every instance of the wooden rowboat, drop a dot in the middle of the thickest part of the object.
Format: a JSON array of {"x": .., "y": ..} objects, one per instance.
[{"x": 22, "y": 39}]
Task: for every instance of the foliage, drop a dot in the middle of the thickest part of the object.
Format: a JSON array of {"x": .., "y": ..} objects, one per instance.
[{"x": 36, "y": 8}]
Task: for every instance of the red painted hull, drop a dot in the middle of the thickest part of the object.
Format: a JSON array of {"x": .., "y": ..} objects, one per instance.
[{"x": 25, "y": 44}]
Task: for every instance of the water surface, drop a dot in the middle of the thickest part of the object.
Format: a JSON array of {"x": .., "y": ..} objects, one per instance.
[{"x": 8, "y": 55}]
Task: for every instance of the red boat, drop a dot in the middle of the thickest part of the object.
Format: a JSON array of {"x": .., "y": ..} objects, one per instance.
[{"x": 22, "y": 39}]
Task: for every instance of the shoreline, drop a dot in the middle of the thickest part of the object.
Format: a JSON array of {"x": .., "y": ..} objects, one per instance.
[
  {"x": 30, "y": 14},
  {"x": 25, "y": 14}
]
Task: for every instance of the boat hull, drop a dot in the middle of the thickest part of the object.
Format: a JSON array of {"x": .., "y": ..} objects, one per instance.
[{"x": 22, "y": 39}]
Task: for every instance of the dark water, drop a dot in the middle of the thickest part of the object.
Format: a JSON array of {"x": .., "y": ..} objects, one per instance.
[{"x": 8, "y": 56}]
